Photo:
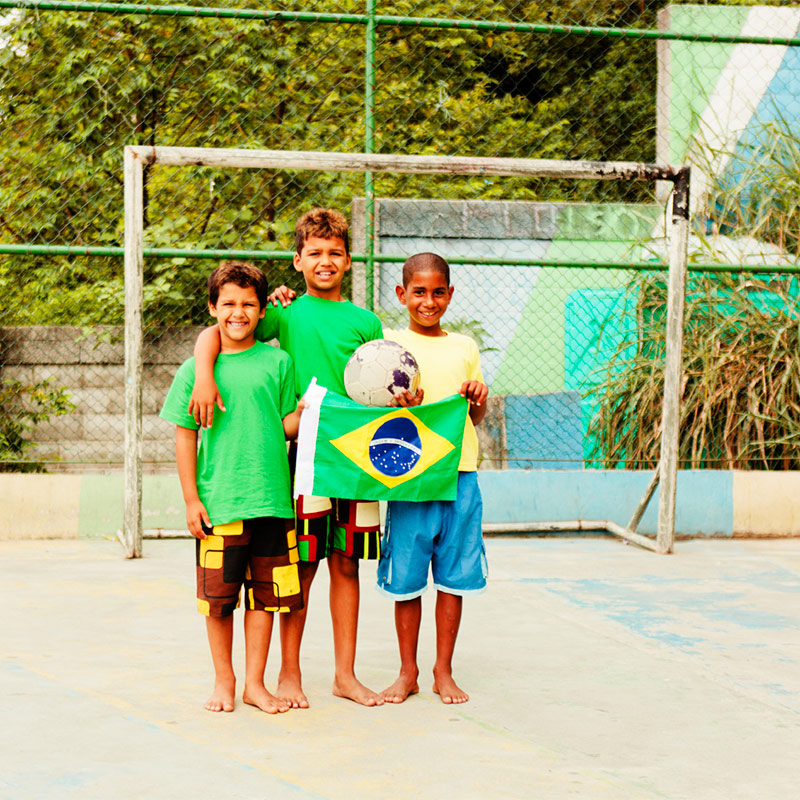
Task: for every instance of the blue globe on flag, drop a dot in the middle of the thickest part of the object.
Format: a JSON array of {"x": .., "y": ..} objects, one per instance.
[{"x": 396, "y": 447}]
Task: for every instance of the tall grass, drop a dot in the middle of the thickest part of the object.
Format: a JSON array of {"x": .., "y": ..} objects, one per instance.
[{"x": 740, "y": 394}]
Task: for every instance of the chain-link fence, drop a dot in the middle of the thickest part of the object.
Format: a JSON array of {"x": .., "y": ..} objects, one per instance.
[{"x": 548, "y": 273}]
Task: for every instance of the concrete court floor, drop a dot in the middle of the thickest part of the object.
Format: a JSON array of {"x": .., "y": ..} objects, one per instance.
[{"x": 597, "y": 670}]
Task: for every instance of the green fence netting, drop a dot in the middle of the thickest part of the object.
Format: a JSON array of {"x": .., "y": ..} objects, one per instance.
[{"x": 557, "y": 280}]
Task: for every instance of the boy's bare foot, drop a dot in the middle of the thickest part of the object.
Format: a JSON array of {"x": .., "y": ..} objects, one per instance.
[
  {"x": 446, "y": 688},
  {"x": 222, "y": 697},
  {"x": 401, "y": 689},
  {"x": 353, "y": 689},
  {"x": 290, "y": 690},
  {"x": 261, "y": 698}
]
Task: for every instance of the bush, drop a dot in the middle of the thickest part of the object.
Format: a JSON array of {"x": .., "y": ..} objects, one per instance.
[{"x": 22, "y": 407}]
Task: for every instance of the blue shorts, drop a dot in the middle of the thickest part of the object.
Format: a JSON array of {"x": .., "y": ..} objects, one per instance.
[{"x": 443, "y": 534}]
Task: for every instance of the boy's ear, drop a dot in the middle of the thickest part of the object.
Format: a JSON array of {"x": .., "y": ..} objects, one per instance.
[
  {"x": 296, "y": 262},
  {"x": 400, "y": 291},
  {"x": 212, "y": 310}
]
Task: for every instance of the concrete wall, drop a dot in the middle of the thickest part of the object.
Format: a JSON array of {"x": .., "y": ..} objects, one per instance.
[
  {"x": 710, "y": 503},
  {"x": 89, "y": 365}
]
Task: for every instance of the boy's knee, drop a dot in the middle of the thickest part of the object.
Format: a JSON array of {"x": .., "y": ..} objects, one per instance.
[{"x": 342, "y": 565}]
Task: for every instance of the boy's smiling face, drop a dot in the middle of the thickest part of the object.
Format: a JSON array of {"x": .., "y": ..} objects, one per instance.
[
  {"x": 237, "y": 311},
  {"x": 323, "y": 263},
  {"x": 426, "y": 295}
]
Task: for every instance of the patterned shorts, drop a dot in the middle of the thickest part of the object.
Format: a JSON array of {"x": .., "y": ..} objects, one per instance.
[
  {"x": 325, "y": 525},
  {"x": 260, "y": 554}
]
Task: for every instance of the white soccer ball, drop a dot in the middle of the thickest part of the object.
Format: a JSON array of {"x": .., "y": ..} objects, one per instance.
[{"x": 379, "y": 370}]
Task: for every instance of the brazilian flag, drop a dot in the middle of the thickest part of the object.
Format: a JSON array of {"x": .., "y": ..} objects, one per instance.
[{"x": 348, "y": 450}]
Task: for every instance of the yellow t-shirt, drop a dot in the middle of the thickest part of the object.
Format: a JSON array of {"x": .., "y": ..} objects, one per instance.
[{"x": 445, "y": 362}]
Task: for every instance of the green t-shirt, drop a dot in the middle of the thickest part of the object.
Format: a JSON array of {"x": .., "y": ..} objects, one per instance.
[
  {"x": 242, "y": 469},
  {"x": 320, "y": 335}
]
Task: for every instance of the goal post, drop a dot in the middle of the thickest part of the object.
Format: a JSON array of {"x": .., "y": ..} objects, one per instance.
[{"x": 137, "y": 157}]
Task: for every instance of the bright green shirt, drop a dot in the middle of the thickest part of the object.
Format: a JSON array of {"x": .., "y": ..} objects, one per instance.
[
  {"x": 320, "y": 336},
  {"x": 242, "y": 469}
]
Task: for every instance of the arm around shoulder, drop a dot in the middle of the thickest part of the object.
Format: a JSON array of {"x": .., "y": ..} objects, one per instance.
[{"x": 205, "y": 394}]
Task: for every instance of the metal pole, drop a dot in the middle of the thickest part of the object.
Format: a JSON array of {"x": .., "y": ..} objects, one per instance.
[
  {"x": 394, "y": 21},
  {"x": 134, "y": 279},
  {"x": 380, "y": 258},
  {"x": 369, "y": 147},
  {"x": 670, "y": 419}
]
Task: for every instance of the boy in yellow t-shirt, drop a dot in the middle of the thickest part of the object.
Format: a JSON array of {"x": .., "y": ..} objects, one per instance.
[{"x": 443, "y": 535}]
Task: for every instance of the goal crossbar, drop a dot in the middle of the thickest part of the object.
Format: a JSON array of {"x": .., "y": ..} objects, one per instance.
[{"x": 136, "y": 157}]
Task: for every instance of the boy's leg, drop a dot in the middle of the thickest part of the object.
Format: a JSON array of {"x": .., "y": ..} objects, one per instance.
[
  {"x": 406, "y": 551},
  {"x": 257, "y": 634},
  {"x": 290, "y": 686},
  {"x": 220, "y": 640},
  {"x": 448, "y": 619},
  {"x": 344, "y": 600},
  {"x": 312, "y": 524},
  {"x": 216, "y": 599},
  {"x": 407, "y": 617},
  {"x": 459, "y": 567}
]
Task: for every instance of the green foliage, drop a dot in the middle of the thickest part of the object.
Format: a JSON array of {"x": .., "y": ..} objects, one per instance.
[
  {"x": 22, "y": 407},
  {"x": 76, "y": 87}
]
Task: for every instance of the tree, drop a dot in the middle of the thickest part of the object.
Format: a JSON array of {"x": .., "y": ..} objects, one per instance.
[{"x": 76, "y": 87}]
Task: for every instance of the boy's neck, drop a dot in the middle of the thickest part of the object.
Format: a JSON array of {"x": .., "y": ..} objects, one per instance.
[
  {"x": 422, "y": 330},
  {"x": 334, "y": 295},
  {"x": 228, "y": 347}
]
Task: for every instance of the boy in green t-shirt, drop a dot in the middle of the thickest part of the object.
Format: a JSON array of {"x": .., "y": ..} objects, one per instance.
[
  {"x": 237, "y": 487},
  {"x": 320, "y": 331}
]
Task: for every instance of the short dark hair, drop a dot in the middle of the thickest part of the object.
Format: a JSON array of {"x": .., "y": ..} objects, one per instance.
[
  {"x": 240, "y": 273},
  {"x": 425, "y": 262},
  {"x": 326, "y": 223}
]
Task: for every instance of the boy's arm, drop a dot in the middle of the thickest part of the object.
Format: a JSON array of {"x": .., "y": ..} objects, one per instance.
[
  {"x": 291, "y": 422},
  {"x": 205, "y": 394},
  {"x": 186, "y": 456},
  {"x": 476, "y": 392}
]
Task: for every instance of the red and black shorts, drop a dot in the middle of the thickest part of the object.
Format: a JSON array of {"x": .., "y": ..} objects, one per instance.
[{"x": 327, "y": 524}]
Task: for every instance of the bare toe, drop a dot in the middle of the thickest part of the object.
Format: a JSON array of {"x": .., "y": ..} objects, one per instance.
[
  {"x": 291, "y": 692},
  {"x": 260, "y": 698},
  {"x": 400, "y": 690},
  {"x": 353, "y": 689}
]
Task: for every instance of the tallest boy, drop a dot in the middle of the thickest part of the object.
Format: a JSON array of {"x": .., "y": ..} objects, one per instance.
[{"x": 320, "y": 331}]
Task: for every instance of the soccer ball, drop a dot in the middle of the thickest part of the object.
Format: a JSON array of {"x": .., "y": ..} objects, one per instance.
[{"x": 379, "y": 370}]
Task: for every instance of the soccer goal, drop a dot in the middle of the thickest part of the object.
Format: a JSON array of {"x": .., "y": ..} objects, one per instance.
[{"x": 137, "y": 157}]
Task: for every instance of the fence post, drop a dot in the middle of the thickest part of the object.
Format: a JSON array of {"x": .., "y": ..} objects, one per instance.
[
  {"x": 134, "y": 278},
  {"x": 369, "y": 147},
  {"x": 671, "y": 412}
]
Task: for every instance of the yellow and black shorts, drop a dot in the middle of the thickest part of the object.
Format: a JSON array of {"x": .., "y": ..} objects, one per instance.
[{"x": 260, "y": 554}]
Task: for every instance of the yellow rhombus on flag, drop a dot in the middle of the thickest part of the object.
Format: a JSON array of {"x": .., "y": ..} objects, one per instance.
[{"x": 365, "y": 453}]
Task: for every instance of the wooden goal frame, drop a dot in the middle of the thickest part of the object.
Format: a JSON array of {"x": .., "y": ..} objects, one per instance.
[{"x": 137, "y": 157}]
